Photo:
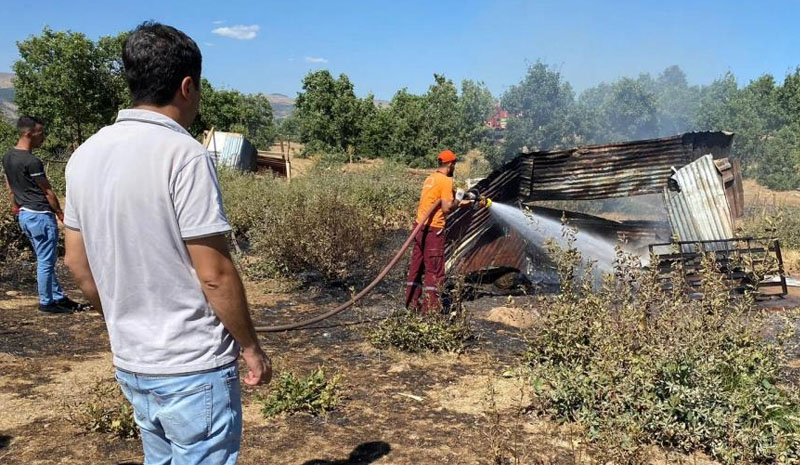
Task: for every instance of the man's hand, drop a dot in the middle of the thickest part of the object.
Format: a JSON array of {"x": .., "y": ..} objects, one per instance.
[
  {"x": 224, "y": 290},
  {"x": 15, "y": 210},
  {"x": 52, "y": 199},
  {"x": 259, "y": 366},
  {"x": 78, "y": 263},
  {"x": 465, "y": 203}
]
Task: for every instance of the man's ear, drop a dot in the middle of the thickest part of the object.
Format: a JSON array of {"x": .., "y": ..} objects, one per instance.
[{"x": 187, "y": 87}]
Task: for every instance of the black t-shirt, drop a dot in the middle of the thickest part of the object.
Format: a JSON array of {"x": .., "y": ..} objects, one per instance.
[{"x": 21, "y": 168}]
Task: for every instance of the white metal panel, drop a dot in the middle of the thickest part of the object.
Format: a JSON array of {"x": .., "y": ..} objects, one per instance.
[{"x": 700, "y": 211}]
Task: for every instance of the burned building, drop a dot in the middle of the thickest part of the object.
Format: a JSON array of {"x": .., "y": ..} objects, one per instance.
[{"x": 700, "y": 185}]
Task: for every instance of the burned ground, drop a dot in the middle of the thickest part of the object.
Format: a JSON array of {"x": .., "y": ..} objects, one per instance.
[{"x": 397, "y": 408}]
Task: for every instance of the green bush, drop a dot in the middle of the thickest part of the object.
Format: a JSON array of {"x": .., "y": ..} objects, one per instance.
[
  {"x": 781, "y": 222},
  {"x": 328, "y": 221},
  {"x": 415, "y": 333},
  {"x": 316, "y": 394},
  {"x": 637, "y": 365},
  {"x": 12, "y": 240},
  {"x": 104, "y": 410}
]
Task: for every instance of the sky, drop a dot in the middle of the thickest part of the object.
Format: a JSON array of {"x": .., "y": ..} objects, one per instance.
[{"x": 383, "y": 46}]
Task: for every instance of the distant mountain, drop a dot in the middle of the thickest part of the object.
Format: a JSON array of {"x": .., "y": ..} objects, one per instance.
[
  {"x": 7, "y": 108},
  {"x": 282, "y": 105}
]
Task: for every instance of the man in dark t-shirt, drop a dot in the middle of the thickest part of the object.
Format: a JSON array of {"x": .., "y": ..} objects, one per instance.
[{"x": 33, "y": 199}]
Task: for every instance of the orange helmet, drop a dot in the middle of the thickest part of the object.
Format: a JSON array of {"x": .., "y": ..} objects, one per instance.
[{"x": 446, "y": 156}]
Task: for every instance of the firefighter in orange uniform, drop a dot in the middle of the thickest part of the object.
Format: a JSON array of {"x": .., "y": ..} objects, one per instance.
[{"x": 426, "y": 271}]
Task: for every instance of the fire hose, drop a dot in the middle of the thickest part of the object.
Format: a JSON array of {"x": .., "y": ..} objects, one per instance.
[
  {"x": 473, "y": 195},
  {"x": 364, "y": 292}
]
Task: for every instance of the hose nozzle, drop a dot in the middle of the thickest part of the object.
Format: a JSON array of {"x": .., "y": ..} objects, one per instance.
[{"x": 480, "y": 201}]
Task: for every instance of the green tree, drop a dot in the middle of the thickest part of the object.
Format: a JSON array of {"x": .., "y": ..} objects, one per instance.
[
  {"x": 8, "y": 136},
  {"x": 475, "y": 106},
  {"x": 620, "y": 111},
  {"x": 328, "y": 112},
  {"x": 231, "y": 111},
  {"x": 778, "y": 169},
  {"x": 753, "y": 113},
  {"x": 676, "y": 102},
  {"x": 410, "y": 139},
  {"x": 540, "y": 111},
  {"x": 443, "y": 116},
  {"x": 288, "y": 128},
  {"x": 257, "y": 120},
  {"x": 71, "y": 82},
  {"x": 788, "y": 96},
  {"x": 717, "y": 104}
]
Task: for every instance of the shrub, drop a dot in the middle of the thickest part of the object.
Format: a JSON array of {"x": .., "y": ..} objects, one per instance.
[
  {"x": 638, "y": 365},
  {"x": 104, "y": 410},
  {"x": 328, "y": 222},
  {"x": 12, "y": 240},
  {"x": 781, "y": 222},
  {"x": 316, "y": 394},
  {"x": 414, "y": 333}
]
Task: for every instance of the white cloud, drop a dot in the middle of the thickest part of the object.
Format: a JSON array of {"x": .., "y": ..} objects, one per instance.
[
  {"x": 219, "y": 21},
  {"x": 315, "y": 60},
  {"x": 209, "y": 44},
  {"x": 238, "y": 32}
]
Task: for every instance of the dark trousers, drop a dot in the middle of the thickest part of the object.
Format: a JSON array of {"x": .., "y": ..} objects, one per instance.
[{"x": 426, "y": 271}]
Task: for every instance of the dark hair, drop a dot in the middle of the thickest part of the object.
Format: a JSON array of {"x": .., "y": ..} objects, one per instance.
[
  {"x": 157, "y": 58},
  {"x": 27, "y": 123}
]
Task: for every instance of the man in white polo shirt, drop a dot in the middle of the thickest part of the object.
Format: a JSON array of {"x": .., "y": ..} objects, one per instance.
[{"x": 146, "y": 242}]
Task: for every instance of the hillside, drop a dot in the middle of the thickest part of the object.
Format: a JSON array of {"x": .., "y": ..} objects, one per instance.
[
  {"x": 282, "y": 105},
  {"x": 7, "y": 108}
]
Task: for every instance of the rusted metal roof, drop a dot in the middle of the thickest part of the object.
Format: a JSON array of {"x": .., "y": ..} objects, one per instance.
[
  {"x": 505, "y": 249},
  {"x": 614, "y": 170},
  {"x": 592, "y": 172},
  {"x": 699, "y": 211}
]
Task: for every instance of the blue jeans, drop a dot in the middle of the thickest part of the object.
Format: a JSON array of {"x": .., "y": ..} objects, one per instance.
[
  {"x": 42, "y": 231},
  {"x": 187, "y": 419}
]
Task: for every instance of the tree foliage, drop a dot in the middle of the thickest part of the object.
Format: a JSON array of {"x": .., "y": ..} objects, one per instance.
[
  {"x": 232, "y": 111},
  {"x": 76, "y": 86},
  {"x": 540, "y": 111},
  {"x": 766, "y": 119},
  {"x": 8, "y": 136},
  {"x": 328, "y": 112},
  {"x": 411, "y": 129},
  {"x": 71, "y": 82}
]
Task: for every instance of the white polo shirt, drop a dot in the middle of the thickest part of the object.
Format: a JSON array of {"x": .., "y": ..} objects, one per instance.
[{"x": 136, "y": 190}]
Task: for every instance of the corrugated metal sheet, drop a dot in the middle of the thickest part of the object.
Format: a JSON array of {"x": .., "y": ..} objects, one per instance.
[
  {"x": 502, "y": 250},
  {"x": 700, "y": 211},
  {"x": 593, "y": 172},
  {"x": 232, "y": 149},
  {"x": 614, "y": 170}
]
